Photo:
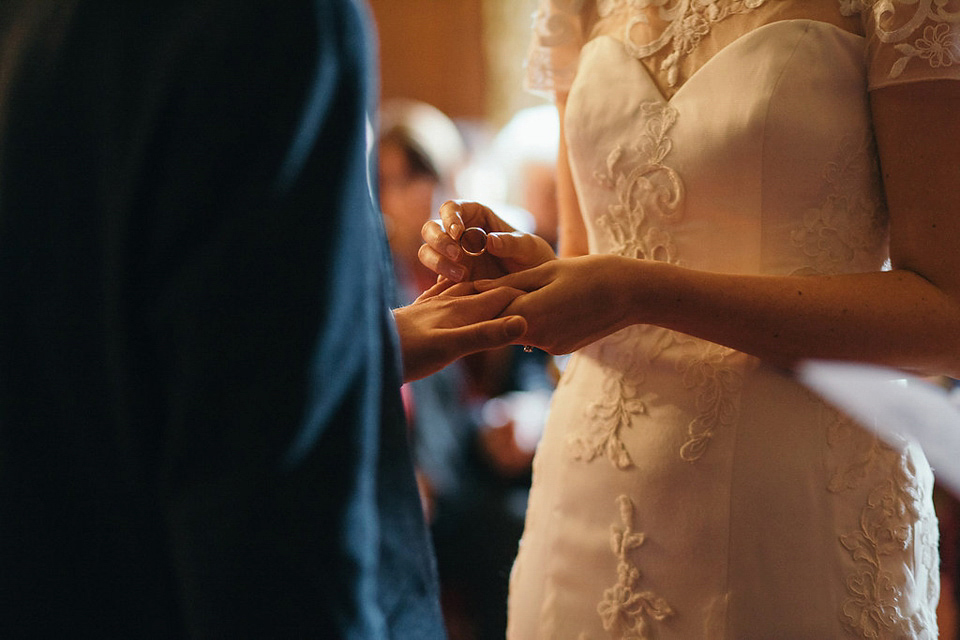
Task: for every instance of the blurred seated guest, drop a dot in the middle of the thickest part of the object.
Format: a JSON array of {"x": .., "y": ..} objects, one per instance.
[{"x": 420, "y": 151}]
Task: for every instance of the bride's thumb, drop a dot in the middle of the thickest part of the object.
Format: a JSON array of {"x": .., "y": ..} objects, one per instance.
[{"x": 510, "y": 244}]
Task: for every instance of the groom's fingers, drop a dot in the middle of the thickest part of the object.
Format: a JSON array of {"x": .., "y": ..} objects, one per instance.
[
  {"x": 443, "y": 285},
  {"x": 490, "y": 334},
  {"x": 525, "y": 281},
  {"x": 520, "y": 247},
  {"x": 490, "y": 302}
]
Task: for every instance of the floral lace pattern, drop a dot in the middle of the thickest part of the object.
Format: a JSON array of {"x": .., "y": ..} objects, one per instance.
[
  {"x": 938, "y": 46},
  {"x": 911, "y": 40},
  {"x": 552, "y": 60},
  {"x": 648, "y": 196},
  {"x": 648, "y": 193},
  {"x": 718, "y": 385},
  {"x": 895, "y": 525},
  {"x": 627, "y": 611},
  {"x": 931, "y": 34},
  {"x": 619, "y": 403},
  {"x": 854, "y": 448},
  {"x": 848, "y": 231},
  {"x": 688, "y": 21}
]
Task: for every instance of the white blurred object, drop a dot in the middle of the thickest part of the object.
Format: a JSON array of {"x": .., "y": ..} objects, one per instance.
[
  {"x": 527, "y": 410},
  {"x": 496, "y": 176},
  {"x": 428, "y": 130},
  {"x": 897, "y": 407}
]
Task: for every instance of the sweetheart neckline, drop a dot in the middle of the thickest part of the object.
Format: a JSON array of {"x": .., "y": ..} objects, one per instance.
[{"x": 808, "y": 23}]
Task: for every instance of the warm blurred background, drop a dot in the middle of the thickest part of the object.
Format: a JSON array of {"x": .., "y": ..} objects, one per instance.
[{"x": 462, "y": 56}]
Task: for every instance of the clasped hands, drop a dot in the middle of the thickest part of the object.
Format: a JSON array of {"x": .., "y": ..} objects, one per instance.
[{"x": 560, "y": 305}]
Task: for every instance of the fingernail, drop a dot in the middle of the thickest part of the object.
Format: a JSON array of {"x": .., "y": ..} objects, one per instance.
[
  {"x": 453, "y": 251},
  {"x": 496, "y": 242},
  {"x": 455, "y": 230},
  {"x": 516, "y": 327},
  {"x": 456, "y": 273}
]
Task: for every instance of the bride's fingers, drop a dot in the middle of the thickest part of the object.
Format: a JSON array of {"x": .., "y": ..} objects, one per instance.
[
  {"x": 452, "y": 218},
  {"x": 490, "y": 334},
  {"x": 435, "y": 237},
  {"x": 439, "y": 264},
  {"x": 528, "y": 280},
  {"x": 522, "y": 248},
  {"x": 457, "y": 215}
]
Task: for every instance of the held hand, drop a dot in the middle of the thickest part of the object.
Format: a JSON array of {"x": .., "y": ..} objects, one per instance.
[
  {"x": 572, "y": 302},
  {"x": 506, "y": 250},
  {"x": 448, "y": 322}
]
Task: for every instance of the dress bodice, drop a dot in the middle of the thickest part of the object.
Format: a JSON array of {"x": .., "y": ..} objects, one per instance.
[{"x": 778, "y": 177}]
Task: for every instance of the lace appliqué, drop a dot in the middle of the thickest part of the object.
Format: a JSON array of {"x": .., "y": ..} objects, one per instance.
[
  {"x": 649, "y": 196},
  {"x": 933, "y": 29},
  {"x": 615, "y": 410},
  {"x": 625, "y": 610},
  {"x": 854, "y": 449},
  {"x": 892, "y": 525},
  {"x": 551, "y": 62},
  {"x": 917, "y": 36},
  {"x": 688, "y": 21},
  {"x": 718, "y": 386},
  {"x": 648, "y": 192},
  {"x": 939, "y": 46},
  {"x": 848, "y": 231}
]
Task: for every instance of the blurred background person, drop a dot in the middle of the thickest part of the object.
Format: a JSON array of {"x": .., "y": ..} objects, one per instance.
[
  {"x": 474, "y": 424},
  {"x": 420, "y": 151}
]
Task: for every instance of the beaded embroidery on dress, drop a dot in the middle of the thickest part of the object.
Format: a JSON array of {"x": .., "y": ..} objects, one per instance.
[{"x": 731, "y": 136}]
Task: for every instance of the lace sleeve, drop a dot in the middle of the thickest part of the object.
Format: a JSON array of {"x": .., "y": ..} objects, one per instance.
[
  {"x": 555, "y": 46},
  {"x": 912, "y": 41}
]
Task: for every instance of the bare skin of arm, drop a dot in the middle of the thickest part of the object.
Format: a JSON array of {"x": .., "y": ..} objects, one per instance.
[
  {"x": 573, "y": 233},
  {"x": 907, "y": 318}
]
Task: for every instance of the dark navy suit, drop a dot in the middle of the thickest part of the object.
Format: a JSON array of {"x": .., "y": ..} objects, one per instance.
[{"x": 200, "y": 425}]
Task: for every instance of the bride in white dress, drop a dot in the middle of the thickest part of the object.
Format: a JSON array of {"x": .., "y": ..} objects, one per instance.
[{"x": 721, "y": 164}]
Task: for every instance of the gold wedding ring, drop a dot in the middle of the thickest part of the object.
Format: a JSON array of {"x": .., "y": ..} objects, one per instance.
[{"x": 473, "y": 241}]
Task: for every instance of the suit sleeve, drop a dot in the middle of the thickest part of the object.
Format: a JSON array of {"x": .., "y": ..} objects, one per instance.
[{"x": 266, "y": 305}]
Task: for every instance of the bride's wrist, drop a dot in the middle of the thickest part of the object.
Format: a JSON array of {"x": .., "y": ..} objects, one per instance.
[{"x": 646, "y": 291}]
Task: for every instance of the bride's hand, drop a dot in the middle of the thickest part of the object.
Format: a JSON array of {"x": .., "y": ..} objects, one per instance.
[
  {"x": 506, "y": 251},
  {"x": 574, "y": 301}
]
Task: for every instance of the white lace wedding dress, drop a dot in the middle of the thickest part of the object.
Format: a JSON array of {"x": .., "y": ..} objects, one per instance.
[{"x": 683, "y": 489}]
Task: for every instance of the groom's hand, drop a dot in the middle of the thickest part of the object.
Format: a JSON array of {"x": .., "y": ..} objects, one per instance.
[{"x": 448, "y": 322}]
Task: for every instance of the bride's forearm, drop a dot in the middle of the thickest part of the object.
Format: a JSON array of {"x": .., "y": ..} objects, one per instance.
[{"x": 894, "y": 318}]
